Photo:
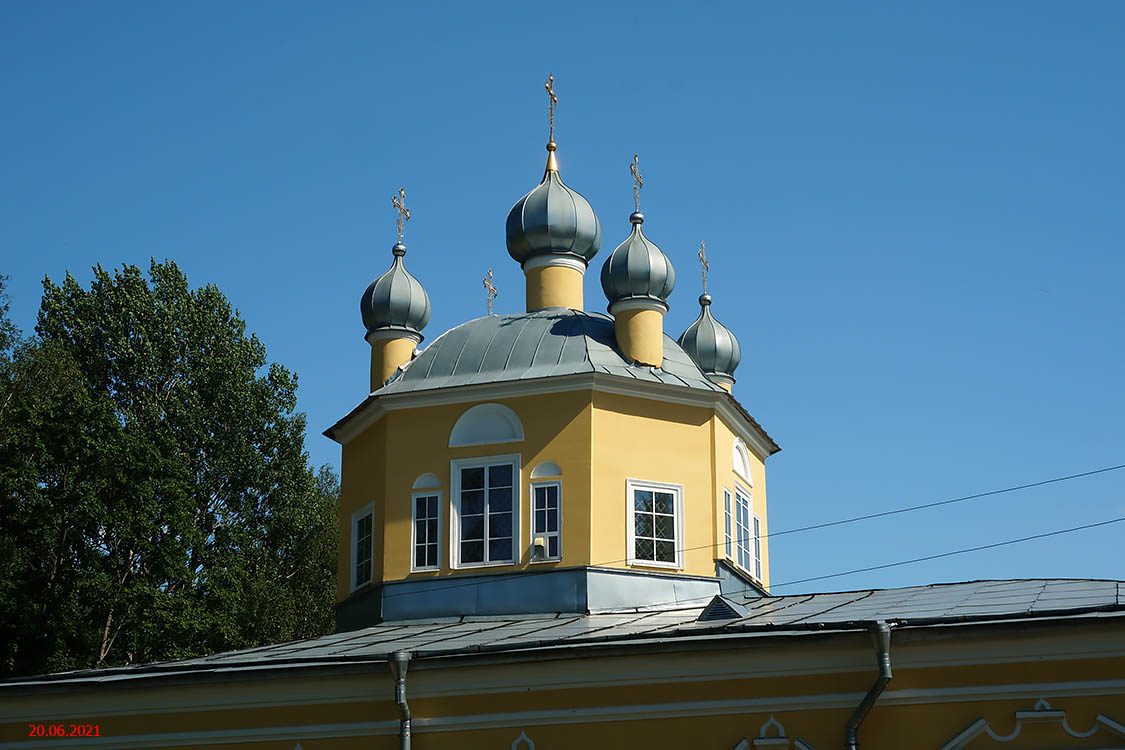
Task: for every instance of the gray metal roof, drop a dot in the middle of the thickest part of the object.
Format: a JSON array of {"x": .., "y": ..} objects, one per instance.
[
  {"x": 540, "y": 344},
  {"x": 936, "y": 604}
]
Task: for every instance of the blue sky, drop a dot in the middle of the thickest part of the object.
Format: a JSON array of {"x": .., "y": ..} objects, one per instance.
[{"x": 913, "y": 213}]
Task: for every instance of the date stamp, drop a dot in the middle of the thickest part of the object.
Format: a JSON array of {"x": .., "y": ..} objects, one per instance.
[{"x": 63, "y": 730}]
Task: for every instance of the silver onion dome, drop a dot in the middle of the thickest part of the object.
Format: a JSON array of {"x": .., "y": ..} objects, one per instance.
[
  {"x": 638, "y": 269},
  {"x": 396, "y": 300},
  {"x": 712, "y": 345},
  {"x": 553, "y": 220}
]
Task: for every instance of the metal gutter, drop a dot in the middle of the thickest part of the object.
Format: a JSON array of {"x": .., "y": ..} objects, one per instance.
[
  {"x": 399, "y": 661},
  {"x": 881, "y": 633}
]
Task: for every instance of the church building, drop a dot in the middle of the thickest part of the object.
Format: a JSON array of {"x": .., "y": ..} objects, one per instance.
[{"x": 553, "y": 534}]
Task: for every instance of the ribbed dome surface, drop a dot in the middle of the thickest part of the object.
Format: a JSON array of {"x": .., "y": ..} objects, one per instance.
[
  {"x": 395, "y": 300},
  {"x": 553, "y": 219},
  {"x": 637, "y": 269},
  {"x": 711, "y": 344}
]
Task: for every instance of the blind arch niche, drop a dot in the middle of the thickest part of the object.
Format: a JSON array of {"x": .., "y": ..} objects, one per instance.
[{"x": 484, "y": 424}]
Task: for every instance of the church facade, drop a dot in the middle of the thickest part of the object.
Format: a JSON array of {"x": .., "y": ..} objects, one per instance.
[{"x": 553, "y": 534}]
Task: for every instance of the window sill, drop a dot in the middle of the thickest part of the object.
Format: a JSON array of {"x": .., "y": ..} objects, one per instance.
[
  {"x": 470, "y": 566},
  {"x": 654, "y": 564}
]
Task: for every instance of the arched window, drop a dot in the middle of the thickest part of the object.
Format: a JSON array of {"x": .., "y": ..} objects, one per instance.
[
  {"x": 741, "y": 461},
  {"x": 425, "y": 533},
  {"x": 546, "y": 512},
  {"x": 484, "y": 424}
]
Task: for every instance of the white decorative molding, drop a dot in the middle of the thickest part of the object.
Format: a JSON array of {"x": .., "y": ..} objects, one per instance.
[
  {"x": 427, "y": 481},
  {"x": 1042, "y": 713},
  {"x": 484, "y": 424},
  {"x": 546, "y": 469},
  {"x": 523, "y": 742},
  {"x": 551, "y": 259},
  {"x": 778, "y": 740},
  {"x": 740, "y": 460}
]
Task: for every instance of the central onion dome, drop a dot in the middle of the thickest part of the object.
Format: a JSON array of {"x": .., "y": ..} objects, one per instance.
[
  {"x": 395, "y": 304},
  {"x": 638, "y": 270},
  {"x": 553, "y": 220},
  {"x": 712, "y": 345}
]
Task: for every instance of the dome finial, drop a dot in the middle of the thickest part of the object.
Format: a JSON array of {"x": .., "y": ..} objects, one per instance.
[
  {"x": 638, "y": 183},
  {"x": 705, "y": 266},
  {"x": 552, "y": 100},
  {"x": 399, "y": 202}
]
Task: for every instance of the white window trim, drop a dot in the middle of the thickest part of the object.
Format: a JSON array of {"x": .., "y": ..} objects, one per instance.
[
  {"x": 414, "y": 529},
  {"x": 455, "y": 467},
  {"x": 678, "y": 492},
  {"x": 751, "y": 516},
  {"x": 740, "y": 459},
  {"x": 354, "y": 557},
  {"x": 729, "y": 523},
  {"x": 756, "y": 544},
  {"x": 531, "y": 517}
]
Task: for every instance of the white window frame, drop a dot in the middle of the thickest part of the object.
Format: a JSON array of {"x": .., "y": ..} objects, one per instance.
[
  {"x": 366, "y": 510},
  {"x": 631, "y": 485},
  {"x": 756, "y": 526},
  {"x": 414, "y": 568},
  {"x": 455, "y": 467},
  {"x": 753, "y": 539},
  {"x": 728, "y": 524},
  {"x": 557, "y": 483}
]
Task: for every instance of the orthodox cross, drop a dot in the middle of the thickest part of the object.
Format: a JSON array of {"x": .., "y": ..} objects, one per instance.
[
  {"x": 399, "y": 202},
  {"x": 703, "y": 262},
  {"x": 490, "y": 290},
  {"x": 552, "y": 100},
  {"x": 638, "y": 183}
]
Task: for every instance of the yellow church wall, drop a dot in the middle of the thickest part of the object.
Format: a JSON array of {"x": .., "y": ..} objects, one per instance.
[
  {"x": 362, "y": 477},
  {"x": 727, "y": 479},
  {"x": 646, "y": 440}
]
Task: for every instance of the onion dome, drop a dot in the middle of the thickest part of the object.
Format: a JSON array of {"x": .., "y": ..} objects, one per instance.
[
  {"x": 712, "y": 345},
  {"x": 396, "y": 301},
  {"x": 553, "y": 220},
  {"x": 638, "y": 270}
]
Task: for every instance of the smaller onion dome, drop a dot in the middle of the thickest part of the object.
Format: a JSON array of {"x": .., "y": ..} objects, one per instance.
[
  {"x": 396, "y": 300},
  {"x": 712, "y": 345},
  {"x": 638, "y": 269},
  {"x": 553, "y": 220}
]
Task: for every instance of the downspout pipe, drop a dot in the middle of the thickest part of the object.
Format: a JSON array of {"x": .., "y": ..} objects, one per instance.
[
  {"x": 881, "y": 633},
  {"x": 398, "y": 662}
]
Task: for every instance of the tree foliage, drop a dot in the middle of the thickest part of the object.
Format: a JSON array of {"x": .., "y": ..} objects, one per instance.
[{"x": 155, "y": 498}]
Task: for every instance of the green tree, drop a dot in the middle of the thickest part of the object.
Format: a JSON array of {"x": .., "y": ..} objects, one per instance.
[{"x": 157, "y": 502}]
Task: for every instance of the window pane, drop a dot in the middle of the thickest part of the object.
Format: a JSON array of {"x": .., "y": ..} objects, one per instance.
[
  {"x": 420, "y": 556},
  {"x": 500, "y": 549},
  {"x": 642, "y": 524},
  {"x": 644, "y": 549},
  {"x": 665, "y": 527},
  {"x": 420, "y": 507},
  {"x": 500, "y": 499},
  {"x": 472, "y": 502},
  {"x": 431, "y": 530},
  {"x": 552, "y": 520},
  {"x": 472, "y": 479},
  {"x": 420, "y": 532},
  {"x": 642, "y": 500},
  {"x": 540, "y": 522},
  {"x": 431, "y": 554},
  {"x": 472, "y": 552},
  {"x": 665, "y": 503},
  {"x": 553, "y": 546},
  {"x": 472, "y": 527},
  {"x": 666, "y": 552},
  {"x": 500, "y": 475},
  {"x": 540, "y": 497},
  {"x": 553, "y": 495},
  {"x": 499, "y": 525},
  {"x": 432, "y": 501}
]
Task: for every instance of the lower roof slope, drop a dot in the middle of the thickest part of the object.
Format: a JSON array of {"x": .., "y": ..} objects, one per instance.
[{"x": 935, "y": 604}]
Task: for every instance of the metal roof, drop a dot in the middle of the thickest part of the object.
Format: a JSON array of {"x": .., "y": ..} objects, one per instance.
[
  {"x": 539, "y": 344},
  {"x": 935, "y": 604}
]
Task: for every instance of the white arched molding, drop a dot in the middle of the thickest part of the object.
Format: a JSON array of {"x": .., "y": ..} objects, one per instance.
[
  {"x": 427, "y": 481},
  {"x": 484, "y": 424},
  {"x": 546, "y": 469},
  {"x": 741, "y": 460}
]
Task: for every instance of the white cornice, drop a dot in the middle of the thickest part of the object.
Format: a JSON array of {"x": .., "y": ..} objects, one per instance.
[
  {"x": 370, "y": 412},
  {"x": 553, "y": 259}
]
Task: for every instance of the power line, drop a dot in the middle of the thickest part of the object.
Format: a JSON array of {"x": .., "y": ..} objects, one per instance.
[{"x": 951, "y": 554}]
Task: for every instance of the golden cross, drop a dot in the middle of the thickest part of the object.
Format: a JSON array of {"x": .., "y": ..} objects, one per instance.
[
  {"x": 638, "y": 183},
  {"x": 490, "y": 290},
  {"x": 552, "y": 100},
  {"x": 703, "y": 262},
  {"x": 399, "y": 202}
]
